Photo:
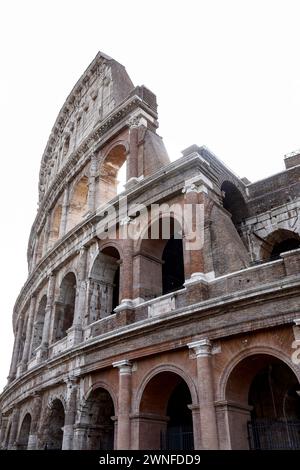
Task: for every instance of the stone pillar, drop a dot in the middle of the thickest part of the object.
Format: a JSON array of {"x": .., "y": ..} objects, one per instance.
[
  {"x": 124, "y": 405},
  {"x": 47, "y": 233},
  {"x": 35, "y": 419},
  {"x": 92, "y": 183},
  {"x": 75, "y": 332},
  {"x": 4, "y": 423},
  {"x": 193, "y": 232},
  {"x": 17, "y": 345},
  {"x": 70, "y": 413},
  {"x": 126, "y": 271},
  {"x": 28, "y": 338},
  {"x": 48, "y": 313},
  {"x": 12, "y": 444},
  {"x": 132, "y": 157},
  {"x": 208, "y": 423},
  {"x": 64, "y": 213}
]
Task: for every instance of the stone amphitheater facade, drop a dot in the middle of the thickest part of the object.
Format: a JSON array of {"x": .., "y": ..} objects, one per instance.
[{"x": 139, "y": 342}]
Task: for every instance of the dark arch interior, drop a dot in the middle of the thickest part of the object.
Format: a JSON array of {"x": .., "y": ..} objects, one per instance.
[
  {"x": 65, "y": 307},
  {"x": 166, "y": 397},
  {"x": 273, "y": 394},
  {"x": 234, "y": 202},
  {"x": 54, "y": 426},
  {"x": 24, "y": 432},
  {"x": 173, "y": 266},
  {"x": 98, "y": 416},
  {"x": 284, "y": 246},
  {"x": 179, "y": 434},
  {"x": 265, "y": 411}
]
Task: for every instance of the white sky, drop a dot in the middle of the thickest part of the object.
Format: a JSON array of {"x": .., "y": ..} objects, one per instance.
[{"x": 226, "y": 75}]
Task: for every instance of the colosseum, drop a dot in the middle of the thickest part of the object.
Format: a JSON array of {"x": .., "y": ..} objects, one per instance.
[{"x": 126, "y": 338}]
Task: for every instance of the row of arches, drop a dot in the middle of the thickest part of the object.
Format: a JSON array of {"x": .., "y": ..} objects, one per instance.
[
  {"x": 279, "y": 241},
  {"x": 90, "y": 190},
  {"x": 103, "y": 288},
  {"x": 263, "y": 411}
]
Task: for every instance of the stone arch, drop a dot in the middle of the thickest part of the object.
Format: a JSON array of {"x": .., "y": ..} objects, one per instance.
[
  {"x": 55, "y": 224},
  {"x": 113, "y": 161},
  {"x": 163, "y": 410},
  {"x": 260, "y": 388},
  {"x": 160, "y": 257},
  {"x": 104, "y": 283},
  {"x": 279, "y": 241},
  {"x": 105, "y": 386},
  {"x": 78, "y": 202},
  {"x": 38, "y": 326},
  {"x": 65, "y": 306},
  {"x": 52, "y": 433},
  {"x": 95, "y": 427},
  {"x": 237, "y": 358},
  {"x": 165, "y": 368},
  {"x": 234, "y": 202},
  {"x": 24, "y": 432}
]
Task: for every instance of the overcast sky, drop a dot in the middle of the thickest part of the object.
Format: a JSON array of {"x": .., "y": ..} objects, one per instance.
[{"x": 226, "y": 75}]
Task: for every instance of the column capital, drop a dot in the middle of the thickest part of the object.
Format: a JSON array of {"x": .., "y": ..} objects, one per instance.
[
  {"x": 201, "y": 348},
  {"x": 124, "y": 366}
]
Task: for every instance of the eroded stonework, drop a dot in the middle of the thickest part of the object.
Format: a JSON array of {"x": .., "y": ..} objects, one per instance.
[{"x": 141, "y": 343}]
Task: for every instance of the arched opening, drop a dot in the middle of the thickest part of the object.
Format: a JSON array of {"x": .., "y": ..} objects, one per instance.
[
  {"x": 24, "y": 432},
  {"x": 65, "y": 307},
  {"x": 96, "y": 426},
  {"x": 54, "y": 425},
  {"x": 278, "y": 242},
  {"x": 104, "y": 284},
  {"x": 112, "y": 174},
  {"x": 264, "y": 411},
  {"x": 234, "y": 203},
  {"x": 55, "y": 225},
  {"x": 78, "y": 204},
  {"x": 161, "y": 261},
  {"x": 39, "y": 325},
  {"x": 165, "y": 420}
]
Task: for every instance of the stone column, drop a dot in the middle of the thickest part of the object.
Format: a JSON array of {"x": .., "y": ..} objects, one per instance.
[
  {"x": 126, "y": 271},
  {"x": 64, "y": 213},
  {"x": 75, "y": 332},
  {"x": 193, "y": 258},
  {"x": 208, "y": 423},
  {"x": 70, "y": 413},
  {"x": 17, "y": 345},
  {"x": 12, "y": 444},
  {"x": 48, "y": 313},
  {"x": 132, "y": 157},
  {"x": 124, "y": 405},
  {"x": 4, "y": 422},
  {"x": 35, "y": 419},
  {"x": 28, "y": 338},
  {"x": 92, "y": 182},
  {"x": 47, "y": 233}
]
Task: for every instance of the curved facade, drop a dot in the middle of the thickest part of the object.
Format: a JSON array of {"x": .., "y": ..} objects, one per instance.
[{"x": 126, "y": 338}]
